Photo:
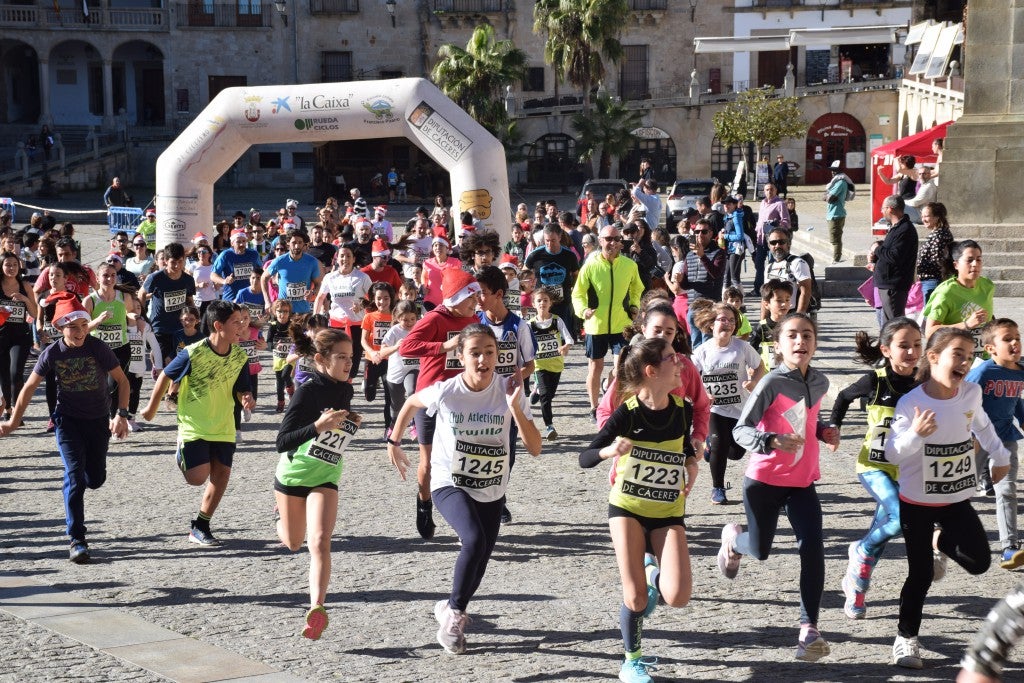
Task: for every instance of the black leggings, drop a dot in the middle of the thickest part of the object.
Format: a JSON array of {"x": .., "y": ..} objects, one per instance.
[
  {"x": 763, "y": 503},
  {"x": 135, "y": 382},
  {"x": 547, "y": 385},
  {"x": 963, "y": 539},
  {"x": 477, "y": 526},
  {"x": 397, "y": 393},
  {"x": 15, "y": 345},
  {"x": 123, "y": 354},
  {"x": 721, "y": 447},
  {"x": 284, "y": 379}
]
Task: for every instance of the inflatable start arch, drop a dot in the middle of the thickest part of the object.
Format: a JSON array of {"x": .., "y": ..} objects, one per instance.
[{"x": 405, "y": 107}]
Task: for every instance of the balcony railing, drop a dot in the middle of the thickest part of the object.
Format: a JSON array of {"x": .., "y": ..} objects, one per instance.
[
  {"x": 105, "y": 19},
  {"x": 467, "y": 6},
  {"x": 648, "y": 5},
  {"x": 224, "y": 15},
  {"x": 333, "y": 6}
]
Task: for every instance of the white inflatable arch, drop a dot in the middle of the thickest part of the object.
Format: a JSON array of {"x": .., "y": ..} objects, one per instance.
[{"x": 405, "y": 107}]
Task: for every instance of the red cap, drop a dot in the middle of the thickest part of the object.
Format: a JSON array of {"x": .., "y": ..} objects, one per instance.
[
  {"x": 380, "y": 248},
  {"x": 457, "y": 285},
  {"x": 67, "y": 309}
]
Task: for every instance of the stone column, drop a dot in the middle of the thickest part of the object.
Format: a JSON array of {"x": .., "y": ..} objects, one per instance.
[
  {"x": 108, "y": 93},
  {"x": 44, "y": 91},
  {"x": 984, "y": 149}
]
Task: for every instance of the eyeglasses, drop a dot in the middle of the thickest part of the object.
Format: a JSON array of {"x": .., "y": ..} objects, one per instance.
[
  {"x": 673, "y": 357},
  {"x": 612, "y": 239},
  {"x": 725, "y": 319},
  {"x": 775, "y": 243}
]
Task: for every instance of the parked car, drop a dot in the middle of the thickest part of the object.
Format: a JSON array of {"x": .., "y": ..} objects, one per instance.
[
  {"x": 684, "y": 195},
  {"x": 601, "y": 187}
]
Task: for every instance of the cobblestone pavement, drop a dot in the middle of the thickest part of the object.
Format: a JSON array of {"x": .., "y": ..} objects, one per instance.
[{"x": 547, "y": 609}]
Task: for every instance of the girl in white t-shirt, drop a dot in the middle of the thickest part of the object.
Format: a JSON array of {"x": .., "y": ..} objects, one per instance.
[
  {"x": 400, "y": 380},
  {"x": 932, "y": 441},
  {"x": 730, "y": 369},
  {"x": 469, "y": 463}
]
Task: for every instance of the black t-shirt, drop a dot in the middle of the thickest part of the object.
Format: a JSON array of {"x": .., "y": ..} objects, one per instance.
[
  {"x": 168, "y": 298},
  {"x": 324, "y": 253},
  {"x": 81, "y": 377},
  {"x": 554, "y": 270}
]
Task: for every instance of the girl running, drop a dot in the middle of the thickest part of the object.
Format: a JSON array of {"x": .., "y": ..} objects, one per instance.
[
  {"x": 469, "y": 470},
  {"x": 280, "y": 343},
  {"x": 932, "y": 442},
  {"x": 15, "y": 332},
  {"x": 730, "y": 369},
  {"x": 402, "y": 372},
  {"x": 375, "y": 325},
  {"x": 779, "y": 426},
  {"x": 111, "y": 308},
  {"x": 341, "y": 296},
  {"x": 646, "y": 436},
  {"x": 304, "y": 325},
  {"x": 553, "y": 341},
  {"x": 899, "y": 344},
  {"x": 142, "y": 341},
  {"x": 314, "y": 433}
]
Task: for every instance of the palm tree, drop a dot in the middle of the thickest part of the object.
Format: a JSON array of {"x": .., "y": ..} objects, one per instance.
[
  {"x": 580, "y": 35},
  {"x": 607, "y": 128},
  {"x": 475, "y": 77}
]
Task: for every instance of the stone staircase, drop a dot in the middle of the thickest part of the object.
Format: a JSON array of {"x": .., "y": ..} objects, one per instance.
[{"x": 1002, "y": 245}]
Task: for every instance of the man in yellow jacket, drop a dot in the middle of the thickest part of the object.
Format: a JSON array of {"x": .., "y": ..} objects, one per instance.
[{"x": 606, "y": 296}]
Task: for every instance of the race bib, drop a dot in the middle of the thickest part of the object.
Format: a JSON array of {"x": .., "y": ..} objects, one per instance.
[
  {"x": 513, "y": 301},
  {"x": 547, "y": 345},
  {"x": 948, "y": 468},
  {"x": 380, "y": 328},
  {"x": 17, "y": 311},
  {"x": 476, "y": 466},
  {"x": 451, "y": 360},
  {"x": 111, "y": 335},
  {"x": 51, "y": 332},
  {"x": 528, "y": 312},
  {"x": 242, "y": 270},
  {"x": 174, "y": 301},
  {"x": 281, "y": 350},
  {"x": 654, "y": 475},
  {"x": 508, "y": 354},
  {"x": 410, "y": 362},
  {"x": 249, "y": 346},
  {"x": 138, "y": 349},
  {"x": 876, "y": 441},
  {"x": 329, "y": 446},
  {"x": 295, "y": 291},
  {"x": 723, "y": 388},
  {"x": 255, "y": 310}
]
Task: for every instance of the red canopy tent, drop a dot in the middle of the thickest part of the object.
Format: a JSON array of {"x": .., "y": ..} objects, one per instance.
[{"x": 918, "y": 145}]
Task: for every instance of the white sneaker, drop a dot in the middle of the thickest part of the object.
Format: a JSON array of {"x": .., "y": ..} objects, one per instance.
[
  {"x": 907, "y": 653},
  {"x": 452, "y": 634},
  {"x": 728, "y": 558},
  {"x": 810, "y": 646}
]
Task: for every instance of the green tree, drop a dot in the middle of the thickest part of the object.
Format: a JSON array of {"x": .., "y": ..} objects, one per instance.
[
  {"x": 579, "y": 36},
  {"x": 757, "y": 116},
  {"x": 475, "y": 77},
  {"x": 605, "y": 132}
]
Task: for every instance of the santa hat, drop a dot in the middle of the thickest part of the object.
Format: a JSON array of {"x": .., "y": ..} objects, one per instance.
[
  {"x": 199, "y": 237},
  {"x": 382, "y": 209},
  {"x": 510, "y": 261},
  {"x": 239, "y": 232},
  {"x": 457, "y": 286},
  {"x": 5, "y": 313},
  {"x": 440, "y": 231},
  {"x": 67, "y": 308},
  {"x": 150, "y": 212},
  {"x": 380, "y": 248},
  {"x": 291, "y": 204},
  {"x": 440, "y": 239},
  {"x": 114, "y": 256}
]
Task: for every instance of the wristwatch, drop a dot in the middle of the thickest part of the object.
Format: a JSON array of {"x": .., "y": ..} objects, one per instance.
[{"x": 121, "y": 412}]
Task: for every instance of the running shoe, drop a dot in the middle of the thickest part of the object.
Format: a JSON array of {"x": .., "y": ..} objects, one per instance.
[
  {"x": 718, "y": 496},
  {"x": 811, "y": 646},
  {"x": 860, "y": 567},
  {"x": 79, "y": 552},
  {"x": 201, "y": 537},
  {"x": 316, "y": 622},
  {"x": 425, "y": 518},
  {"x": 506, "y": 515},
  {"x": 549, "y": 433},
  {"x": 134, "y": 426},
  {"x": 636, "y": 670},
  {"x": 534, "y": 398},
  {"x": 650, "y": 566},
  {"x": 1011, "y": 558},
  {"x": 854, "y": 607},
  {"x": 906, "y": 652},
  {"x": 729, "y": 559},
  {"x": 452, "y": 634},
  {"x": 940, "y": 563}
]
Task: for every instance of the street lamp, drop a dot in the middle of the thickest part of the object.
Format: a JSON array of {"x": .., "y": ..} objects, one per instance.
[
  {"x": 282, "y": 8},
  {"x": 391, "y": 5}
]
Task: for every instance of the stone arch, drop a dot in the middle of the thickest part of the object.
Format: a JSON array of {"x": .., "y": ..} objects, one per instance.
[
  {"x": 19, "y": 83},
  {"x": 138, "y": 82},
  {"x": 318, "y": 112},
  {"x": 832, "y": 137},
  {"x": 76, "y": 83}
]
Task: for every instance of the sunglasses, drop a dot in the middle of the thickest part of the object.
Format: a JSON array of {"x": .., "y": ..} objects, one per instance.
[
  {"x": 775, "y": 243},
  {"x": 702, "y": 232},
  {"x": 612, "y": 239},
  {"x": 138, "y": 244}
]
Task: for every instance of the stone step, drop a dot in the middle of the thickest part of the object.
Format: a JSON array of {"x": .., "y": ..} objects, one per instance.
[
  {"x": 997, "y": 259},
  {"x": 987, "y": 233},
  {"x": 817, "y": 244}
]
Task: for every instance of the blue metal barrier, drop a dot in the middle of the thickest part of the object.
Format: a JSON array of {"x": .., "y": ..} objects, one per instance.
[{"x": 125, "y": 218}]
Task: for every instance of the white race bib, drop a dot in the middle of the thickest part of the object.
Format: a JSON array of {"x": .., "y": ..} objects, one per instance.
[
  {"x": 330, "y": 446},
  {"x": 948, "y": 468},
  {"x": 476, "y": 466},
  {"x": 175, "y": 301},
  {"x": 723, "y": 387},
  {"x": 296, "y": 291}
]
